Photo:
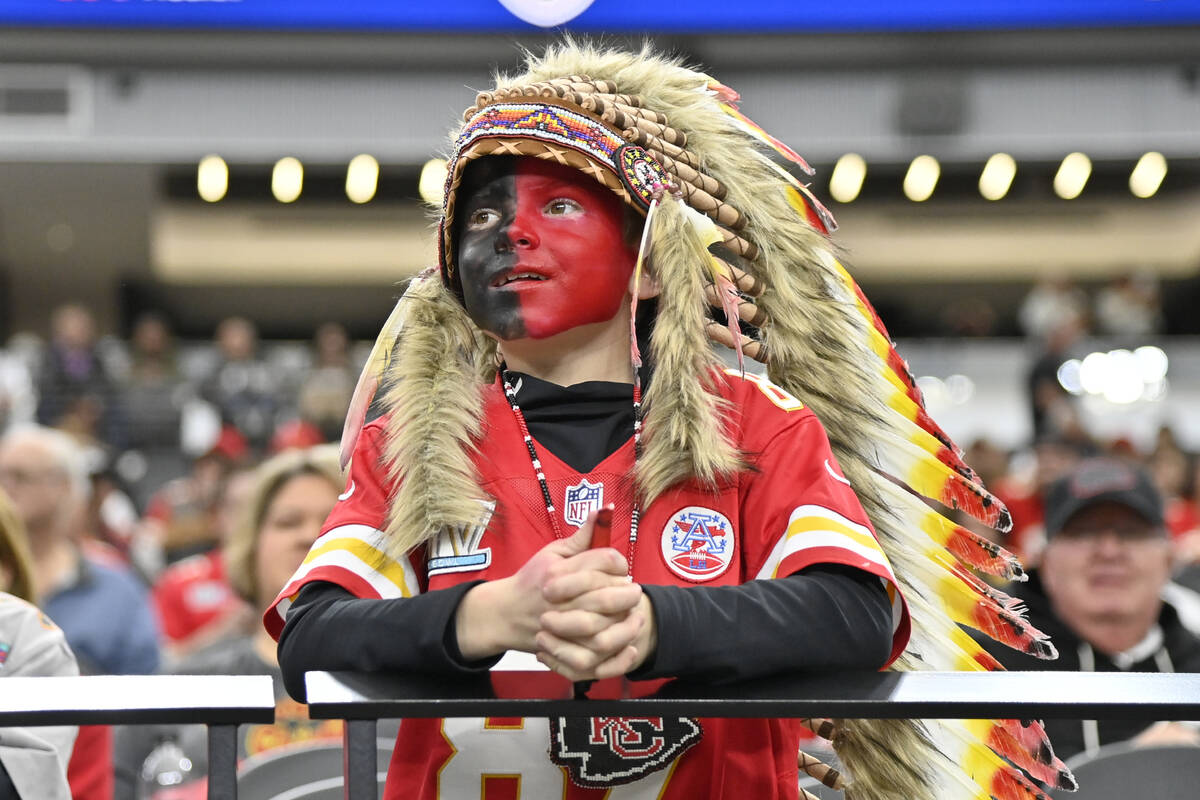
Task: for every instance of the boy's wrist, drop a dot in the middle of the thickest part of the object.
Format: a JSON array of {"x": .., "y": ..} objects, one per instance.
[{"x": 478, "y": 627}]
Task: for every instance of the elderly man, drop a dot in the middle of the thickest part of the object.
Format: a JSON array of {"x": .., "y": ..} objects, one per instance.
[
  {"x": 103, "y": 610},
  {"x": 1098, "y": 594}
]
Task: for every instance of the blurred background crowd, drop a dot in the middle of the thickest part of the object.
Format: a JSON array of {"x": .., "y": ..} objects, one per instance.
[{"x": 167, "y": 427}]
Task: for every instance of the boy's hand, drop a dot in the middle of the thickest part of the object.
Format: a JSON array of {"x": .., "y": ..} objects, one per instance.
[{"x": 565, "y": 575}]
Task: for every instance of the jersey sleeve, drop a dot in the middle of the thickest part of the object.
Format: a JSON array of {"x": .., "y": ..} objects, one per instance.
[
  {"x": 798, "y": 510},
  {"x": 350, "y": 551}
]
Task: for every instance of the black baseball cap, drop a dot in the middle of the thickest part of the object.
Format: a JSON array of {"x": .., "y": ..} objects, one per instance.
[{"x": 1102, "y": 480}]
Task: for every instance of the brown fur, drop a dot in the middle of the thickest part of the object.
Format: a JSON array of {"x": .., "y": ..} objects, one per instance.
[
  {"x": 685, "y": 436},
  {"x": 434, "y": 403}
]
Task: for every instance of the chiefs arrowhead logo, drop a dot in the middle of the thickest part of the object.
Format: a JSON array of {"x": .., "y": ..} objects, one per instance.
[{"x": 600, "y": 752}]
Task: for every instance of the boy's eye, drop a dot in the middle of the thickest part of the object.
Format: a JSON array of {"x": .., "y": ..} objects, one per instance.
[
  {"x": 482, "y": 218},
  {"x": 562, "y": 205}
]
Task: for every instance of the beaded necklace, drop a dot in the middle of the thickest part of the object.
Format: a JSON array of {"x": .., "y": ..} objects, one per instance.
[{"x": 511, "y": 394}]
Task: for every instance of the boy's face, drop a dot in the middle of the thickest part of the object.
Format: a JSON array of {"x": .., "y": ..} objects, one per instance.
[{"x": 541, "y": 248}]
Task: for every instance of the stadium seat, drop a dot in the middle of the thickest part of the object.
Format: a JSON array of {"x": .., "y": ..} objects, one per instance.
[
  {"x": 302, "y": 772},
  {"x": 1147, "y": 773}
]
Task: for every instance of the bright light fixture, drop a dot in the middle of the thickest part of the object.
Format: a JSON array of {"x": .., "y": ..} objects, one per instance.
[
  {"x": 997, "y": 176},
  {"x": 1072, "y": 176},
  {"x": 212, "y": 178},
  {"x": 1148, "y": 175},
  {"x": 846, "y": 181},
  {"x": 921, "y": 178},
  {"x": 433, "y": 181},
  {"x": 1119, "y": 376},
  {"x": 287, "y": 179},
  {"x": 362, "y": 178}
]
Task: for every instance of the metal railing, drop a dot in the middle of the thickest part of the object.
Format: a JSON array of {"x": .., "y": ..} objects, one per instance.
[
  {"x": 360, "y": 700},
  {"x": 222, "y": 702}
]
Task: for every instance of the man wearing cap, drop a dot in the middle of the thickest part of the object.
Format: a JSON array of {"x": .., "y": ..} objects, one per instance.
[{"x": 1098, "y": 595}]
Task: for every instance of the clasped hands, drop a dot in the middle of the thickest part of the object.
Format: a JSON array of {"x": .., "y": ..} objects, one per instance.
[{"x": 576, "y": 608}]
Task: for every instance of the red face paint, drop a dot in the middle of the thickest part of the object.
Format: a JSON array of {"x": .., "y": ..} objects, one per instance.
[{"x": 541, "y": 248}]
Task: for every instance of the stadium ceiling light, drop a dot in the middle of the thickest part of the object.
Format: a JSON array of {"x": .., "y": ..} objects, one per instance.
[
  {"x": 433, "y": 181},
  {"x": 362, "y": 178},
  {"x": 1148, "y": 175},
  {"x": 846, "y": 181},
  {"x": 921, "y": 178},
  {"x": 1072, "y": 176},
  {"x": 287, "y": 179},
  {"x": 212, "y": 178},
  {"x": 997, "y": 176}
]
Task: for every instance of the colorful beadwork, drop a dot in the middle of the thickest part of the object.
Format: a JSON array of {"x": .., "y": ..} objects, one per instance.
[{"x": 545, "y": 122}]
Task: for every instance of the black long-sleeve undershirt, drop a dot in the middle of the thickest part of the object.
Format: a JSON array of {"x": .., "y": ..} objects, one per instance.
[{"x": 825, "y": 617}]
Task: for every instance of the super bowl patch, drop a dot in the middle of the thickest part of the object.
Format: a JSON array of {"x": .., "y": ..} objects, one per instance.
[
  {"x": 599, "y": 752},
  {"x": 697, "y": 543},
  {"x": 459, "y": 550},
  {"x": 581, "y": 500}
]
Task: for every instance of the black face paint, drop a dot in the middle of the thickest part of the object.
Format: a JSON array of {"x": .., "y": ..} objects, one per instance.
[{"x": 482, "y": 255}]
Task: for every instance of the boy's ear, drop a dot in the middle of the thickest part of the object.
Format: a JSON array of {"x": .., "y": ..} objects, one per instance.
[{"x": 646, "y": 287}]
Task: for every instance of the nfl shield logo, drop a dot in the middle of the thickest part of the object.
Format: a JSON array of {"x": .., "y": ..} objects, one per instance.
[{"x": 582, "y": 499}]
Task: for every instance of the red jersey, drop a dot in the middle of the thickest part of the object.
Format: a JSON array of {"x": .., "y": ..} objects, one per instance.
[{"x": 793, "y": 509}]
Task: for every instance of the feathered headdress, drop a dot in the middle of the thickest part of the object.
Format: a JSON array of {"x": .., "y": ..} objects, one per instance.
[{"x": 740, "y": 248}]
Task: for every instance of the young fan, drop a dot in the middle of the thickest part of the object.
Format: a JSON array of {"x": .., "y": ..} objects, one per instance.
[{"x": 520, "y": 495}]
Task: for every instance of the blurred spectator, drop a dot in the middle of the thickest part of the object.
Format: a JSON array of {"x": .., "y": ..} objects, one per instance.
[
  {"x": 33, "y": 761},
  {"x": 1051, "y": 407},
  {"x": 989, "y": 460},
  {"x": 180, "y": 515},
  {"x": 325, "y": 394},
  {"x": 108, "y": 532},
  {"x": 971, "y": 317},
  {"x": 291, "y": 496},
  {"x": 1053, "y": 457},
  {"x": 1130, "y": 306},
  {"x": 75, "y": 391},
  {"x": 34, "y": 770},
  {"x": 18, "y": 400},
  {"x": 1097, "y": 594},
  {"x": 1183, "y": 520},
  {"x": 1053, "y": 300},
  {"x": 296, "y": 434},
  {"x": 103, "y": 609},
  {"x": 154, "y": 391},
  {"x": 195, "y": 602},
  {"x": 242, "y": 386},
  {"x": 1183, "y": 513}
]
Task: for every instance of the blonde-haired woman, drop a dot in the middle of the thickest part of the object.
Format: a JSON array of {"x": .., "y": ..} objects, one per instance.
[
  {"x": 33, "y": 761},
  {"x": 292, "y": 495}
]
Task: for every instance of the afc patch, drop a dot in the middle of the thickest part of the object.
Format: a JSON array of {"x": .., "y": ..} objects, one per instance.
[
  {"x": 599, "y": 752},
  {"x": 581, "y": 500},
  {"x": 697, "y": 543}
]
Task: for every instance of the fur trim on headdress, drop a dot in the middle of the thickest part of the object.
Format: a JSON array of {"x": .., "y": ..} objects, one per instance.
[
  {"x": 684, "y": 435},
  {"x": 435, "y": 408}
]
